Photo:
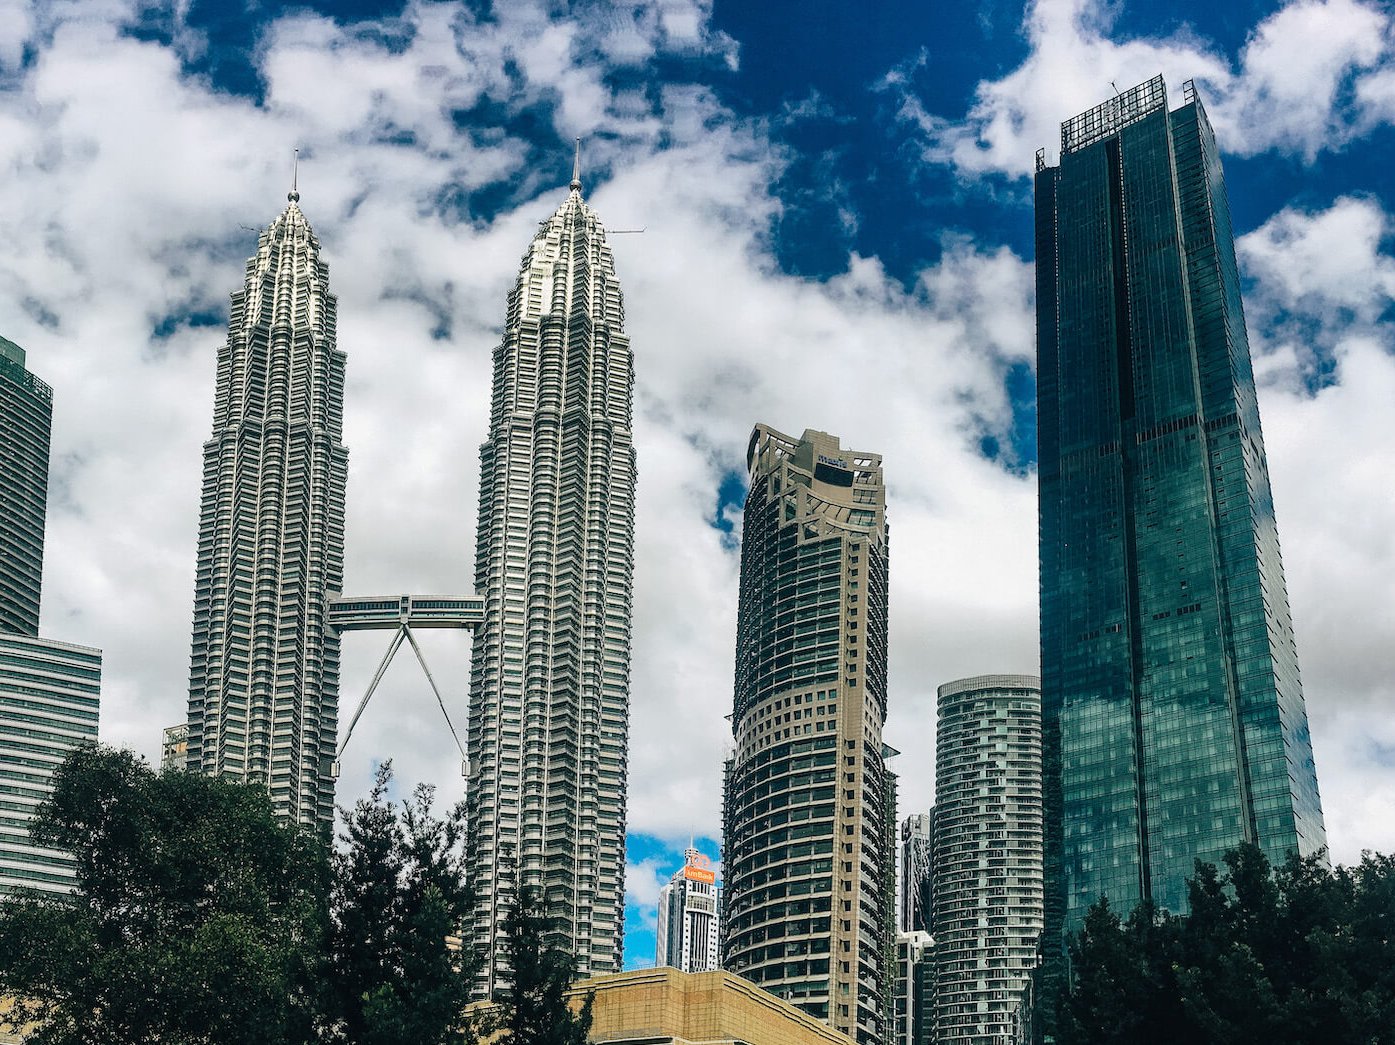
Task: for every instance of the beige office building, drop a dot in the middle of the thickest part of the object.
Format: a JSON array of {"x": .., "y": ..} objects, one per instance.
[{"x": 670, "y": 1007}]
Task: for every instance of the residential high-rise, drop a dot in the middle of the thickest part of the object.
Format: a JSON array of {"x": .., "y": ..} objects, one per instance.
[
  {"x": 808, "y": 811},
  {"x": 1173, "y": 715},
  {"x": 26, "y": 413},
  {"x": 554, "y": 562},
  {"x": 48, "y": 706},
  {"x": 688, "y": 911},
  {"x": 915, "y": 881},
  {"x": 988, "y": 853},
  {"x": 264, "y": 674}
]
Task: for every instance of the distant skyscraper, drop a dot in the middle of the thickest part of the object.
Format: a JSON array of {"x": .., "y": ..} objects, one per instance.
[
  {"x": 26, "y": 411},
  {"x": 809, "y": 810},
  {"x": 48, "y": 706},
  {"x": 264, "y": 676},
  {"x": 1174, "y": 723},
  {"x": 174, "y": 751},
  {"x": 554, "y": 561},
  {"x": 915, "y": 989},
  {"x": 988, "y": 853},
  {"x": 688, "y": 909},
  {"x": 915, "y": 881}
]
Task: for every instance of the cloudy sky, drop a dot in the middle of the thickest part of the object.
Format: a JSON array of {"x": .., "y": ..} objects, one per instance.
[{"x": 837, "y": 213}]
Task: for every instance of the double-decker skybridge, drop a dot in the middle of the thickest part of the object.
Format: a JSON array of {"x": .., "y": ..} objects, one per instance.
[{"x": 400, "y": 614}]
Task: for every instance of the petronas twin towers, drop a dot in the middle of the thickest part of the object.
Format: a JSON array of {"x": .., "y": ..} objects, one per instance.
[
  {"x": 554, "y": 558},
  {"x": 549, "y": 678},
  {"x": 264, "y": 673}
]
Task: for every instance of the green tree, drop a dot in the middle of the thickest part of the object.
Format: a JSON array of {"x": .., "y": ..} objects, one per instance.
[
  {"x": 1123, "y": 991},
  {"x": 534, "y": 1009},
  {"x": 1291, "y": 956},
  {"x": 399, "y": 893},
  {"x": 199, "y": 916}
]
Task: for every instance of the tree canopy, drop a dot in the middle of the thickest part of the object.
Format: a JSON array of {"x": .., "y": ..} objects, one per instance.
[
  {"x": 400, "y": 900},
  {"x": 200, "y": 918},
  {"x": 1285, "y": 956}
]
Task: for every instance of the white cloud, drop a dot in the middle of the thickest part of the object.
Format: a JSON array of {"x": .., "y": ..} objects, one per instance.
[
  {"x": 1291, "y": 89},
  {"x": 128, "y": 185},
  {"x": 643, "y": 880},
  {"x": 1335, "y": 499},
  {"x": 1293, "y": 72},
  {"x": 1319, "y": 278},
  {"x": 1320, "y": 301}
]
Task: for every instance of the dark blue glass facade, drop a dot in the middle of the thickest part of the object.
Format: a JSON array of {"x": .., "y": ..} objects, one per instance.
[
  {"x": 1173, "y": 716},
  {"x": 26, "y": 413}
]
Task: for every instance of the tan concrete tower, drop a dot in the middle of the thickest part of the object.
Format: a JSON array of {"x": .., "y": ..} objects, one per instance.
[{"x": 809, "y": 809}]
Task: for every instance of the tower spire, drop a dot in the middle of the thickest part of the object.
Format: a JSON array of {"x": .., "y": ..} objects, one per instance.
[
  {"x": 576, "y": 167},
  {"x": 294, "y": 194}
]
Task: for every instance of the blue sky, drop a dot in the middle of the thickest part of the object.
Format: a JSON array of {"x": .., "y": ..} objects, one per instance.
[{"x": 838, "y": 212}]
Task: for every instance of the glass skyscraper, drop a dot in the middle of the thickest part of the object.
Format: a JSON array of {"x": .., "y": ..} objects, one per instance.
[
  {"x": 264, "y": 668},
  {"x": 26, "y": 412},
  {"x": 554, "y": 563},
  {"x": 1173, "y": 717},
  {"x": 809, "y": 809}
]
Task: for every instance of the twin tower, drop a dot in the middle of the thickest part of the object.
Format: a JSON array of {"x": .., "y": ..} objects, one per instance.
[{"x": 554, "y": 559}]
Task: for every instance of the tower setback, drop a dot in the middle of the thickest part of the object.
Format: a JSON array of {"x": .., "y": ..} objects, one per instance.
[
  {"x": 264, "y": 674},
  {"x": 554, "y": 562}
]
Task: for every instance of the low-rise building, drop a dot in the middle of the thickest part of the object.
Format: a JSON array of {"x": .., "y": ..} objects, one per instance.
[{"x": 670, "y": 1007}]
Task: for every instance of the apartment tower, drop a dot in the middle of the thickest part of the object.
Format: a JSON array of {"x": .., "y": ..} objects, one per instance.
[
  {"x": 1173, "y": 715},
  {"x": 809, "y": 805},
  {"x": 264, "y": 674},
  {"x": 554, "y": 561},
  {"x": 988, "y": 853}
]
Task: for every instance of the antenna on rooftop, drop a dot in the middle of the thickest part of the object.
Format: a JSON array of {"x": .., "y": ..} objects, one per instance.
[{"x": 294, "y": 194}]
